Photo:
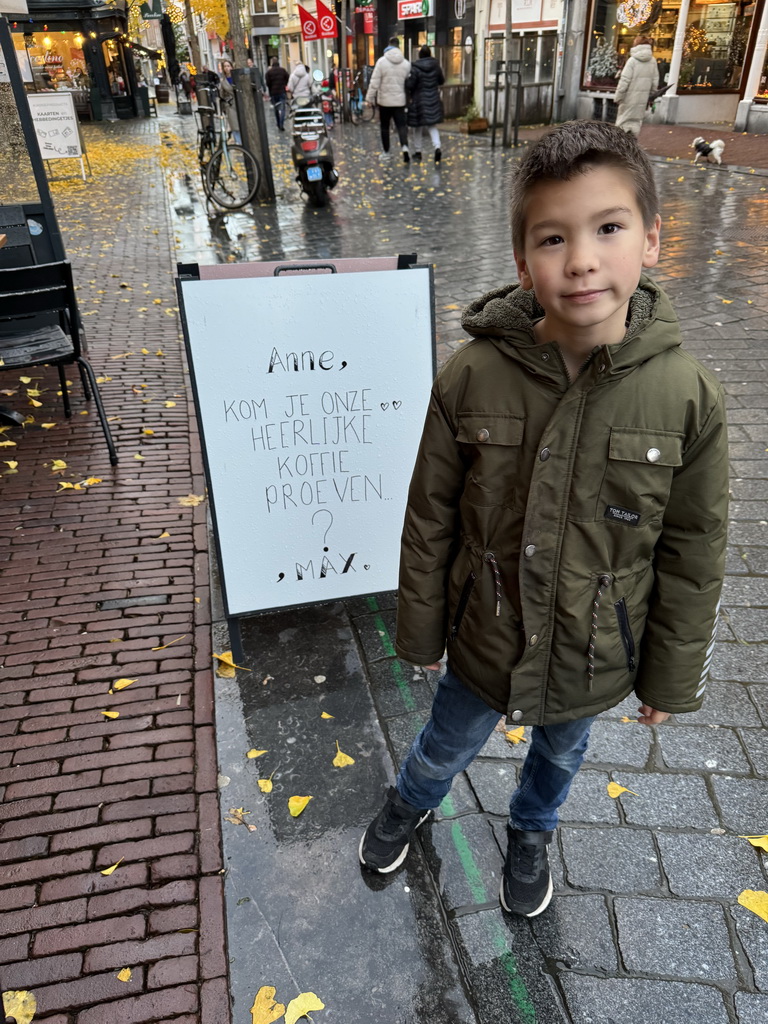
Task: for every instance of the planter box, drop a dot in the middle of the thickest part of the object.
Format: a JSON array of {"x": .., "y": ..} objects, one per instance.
[
  {"x": 162, "y": 92},
  {"x": 479, "y": 124}
]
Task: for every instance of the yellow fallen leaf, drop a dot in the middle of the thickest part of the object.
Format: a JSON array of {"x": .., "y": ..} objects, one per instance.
[
  {"x": 727, "y": 302},
  {"x": 157, "y": 302},
  {"x": 65, "y": 486},
  {"x": 145, "y": 351},
  {"x": 108, "y": 871},
  {"x": 515, "y": 735},
  {"x": 125, "y": 974},
  {"x": 120, "y": 684},
  {"x": 255, "y": 753},
  {"x": 170, "y": 405},
  {"x": 760, "y": 842},
  {"x": 625, "y": 719},
  {"x": 326, "y": 715},
  {"x": 160, "y": 351},
  {"x": 35, "y": 404},
  {"x": 111, "y": 714},
  {"x": 58, "y": 464},
  {"x": 265, "y": 1010},
  {"x": 34, "y": 392},
  {"x": 170, "y": 643},
  {"x": 296, "y": 804},
  {"x": 226, "y": 659},
  {"x": 681, "y": 178},
  {"x": 47, "y": 426},
  {"x": 342, "y": 760},
  {"x": 7, "y": 444},
  {"x": 614, "y": 790},
  {"x": 265, "y": 785},
  {"x": 123, "y": 355},
  {"x": 10, "y": 463},
  {"x": 301, "y": 1005},
  {"x": 93, "y": 480},
  {"x": 148, "y": 431},
  {"x": 25, "y": 380},
  {"x": 192, "y": 500},
  {"x": 237, "y": 817},
  {"x": 224, "y": 671},
  {"x": 20, "y": 1006},
  {"x": 139, "y": 458},
  {"x": 755, "y": 901},
  {"x": 163, "y": 535}
]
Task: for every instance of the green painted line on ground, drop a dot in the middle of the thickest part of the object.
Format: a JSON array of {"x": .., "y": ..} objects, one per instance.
[{"x": 499, "y": 936}]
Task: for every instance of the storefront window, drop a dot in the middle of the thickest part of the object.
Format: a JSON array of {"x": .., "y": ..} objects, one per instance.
[
  {"x": 715, "y": 45},
  {"x": 714, "y": 49},
  {"x": 762, "y": 89},
  {"x": 56, "y": 60}
]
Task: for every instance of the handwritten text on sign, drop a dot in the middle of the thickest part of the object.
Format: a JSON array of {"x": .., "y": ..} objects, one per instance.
[{"x": 312, "y": 392}]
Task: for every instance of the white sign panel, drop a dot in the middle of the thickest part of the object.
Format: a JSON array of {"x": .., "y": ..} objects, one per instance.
[
  {"x": 56, "y": 127},
  {"x": 24, "y": 66},
  {"x": 311, "y": 393}
]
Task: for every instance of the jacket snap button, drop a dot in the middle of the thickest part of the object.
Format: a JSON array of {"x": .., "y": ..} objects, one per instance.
[
  {"x": 545, "y": 356},
  {"x": 533, "y": 640},
  {"x": 530, "y": 551},
  {"x": 516, "y": 716},
  {"x": 544, "y": 454},
  {"x": 482, "y": 434},
  {"x": 601, "y": 368},
  {"x": 653, "y": 455}
]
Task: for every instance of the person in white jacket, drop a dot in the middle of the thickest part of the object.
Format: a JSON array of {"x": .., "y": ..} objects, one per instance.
[
  {"x": 387, "y": 88},
  {"x": 639, "y": 77},
  {"x": 299, "y": 85}
]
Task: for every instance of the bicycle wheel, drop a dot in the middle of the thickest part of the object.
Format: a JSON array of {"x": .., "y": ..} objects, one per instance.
[
  {"x": 232, "y": 179},
  {"x": 355, "y": 115}
]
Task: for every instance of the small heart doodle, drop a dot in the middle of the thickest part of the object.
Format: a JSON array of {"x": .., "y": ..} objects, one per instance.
[
  {"x": 385, "y": 406},
  {"x": 396, "y": 405},
  {"x": 366, "y": 567}
]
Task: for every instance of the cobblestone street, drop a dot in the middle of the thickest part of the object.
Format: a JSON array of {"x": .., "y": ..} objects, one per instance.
[{"x": 112, "y": 581}]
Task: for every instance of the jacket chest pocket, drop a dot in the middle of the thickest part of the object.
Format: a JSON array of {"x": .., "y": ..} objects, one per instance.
[
  {"x": 638, "y": 474},
  {"x": 495, "y": 448}
]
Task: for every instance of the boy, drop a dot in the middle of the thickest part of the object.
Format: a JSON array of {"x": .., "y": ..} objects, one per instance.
[{"x": 565, "y": 528}]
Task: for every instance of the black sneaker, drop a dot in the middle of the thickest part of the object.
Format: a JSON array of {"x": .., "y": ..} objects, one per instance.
[
  {"x": 526, "y": 885},
  {"x": 438, "y": 155},
  {"x": 406, "y": 155},
  {"x": 385, "y": 843}
]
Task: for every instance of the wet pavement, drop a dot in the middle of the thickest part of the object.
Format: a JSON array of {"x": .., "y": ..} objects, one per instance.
[{"x": 645, "y": 924}]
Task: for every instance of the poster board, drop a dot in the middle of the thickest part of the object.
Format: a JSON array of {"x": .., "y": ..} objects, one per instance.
[
  {"x": 25, "y": 67},
  {"x": 57, "y": 127},
  {"x": 311, "y": 392}
]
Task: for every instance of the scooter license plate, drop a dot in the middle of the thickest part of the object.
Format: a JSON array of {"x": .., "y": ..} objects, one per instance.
[{"x": 314, "y": 174}]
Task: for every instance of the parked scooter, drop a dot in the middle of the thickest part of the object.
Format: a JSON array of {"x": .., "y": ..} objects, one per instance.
[{"x": 311, "y": 151}]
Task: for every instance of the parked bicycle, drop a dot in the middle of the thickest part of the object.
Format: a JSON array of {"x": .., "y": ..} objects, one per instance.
[
  {"x": 359, "y": 110},
  {"x": 230, "y": 172}
]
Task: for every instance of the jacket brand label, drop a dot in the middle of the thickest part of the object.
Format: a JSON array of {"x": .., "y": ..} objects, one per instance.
[{"x": 622, "y": 515}]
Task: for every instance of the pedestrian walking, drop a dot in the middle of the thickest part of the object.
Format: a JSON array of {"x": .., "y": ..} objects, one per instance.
[
  {"x": 639, "y": 77},
  {"x": 566, "y": 520},
  {"x": 387, "y": 88},
  {"x": 227, "y": 93},
  {"x": 276, "y": 80},
  {"x": 254, "y": 73},
  {"x": 425, "y": 107},
  {"x": 299, "y": 85}
]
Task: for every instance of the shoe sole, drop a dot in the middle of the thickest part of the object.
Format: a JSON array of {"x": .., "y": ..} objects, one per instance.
[
  {"x": 400, "y": 859},
  {"x": 532, "y": 913}
]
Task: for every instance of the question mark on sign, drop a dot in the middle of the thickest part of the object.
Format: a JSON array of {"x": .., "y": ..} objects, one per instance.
[{"x": 320, "y": 512}]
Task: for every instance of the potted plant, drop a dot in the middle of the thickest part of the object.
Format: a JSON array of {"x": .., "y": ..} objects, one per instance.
[{"x": 473, "y": 121}]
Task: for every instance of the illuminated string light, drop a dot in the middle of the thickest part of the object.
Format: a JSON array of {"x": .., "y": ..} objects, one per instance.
[{"x": 634, "y": 12}]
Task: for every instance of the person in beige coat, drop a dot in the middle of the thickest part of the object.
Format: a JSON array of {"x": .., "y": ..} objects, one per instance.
[
  {"x": 638, "y": 78},
  {"x": 387, "y": 88}
]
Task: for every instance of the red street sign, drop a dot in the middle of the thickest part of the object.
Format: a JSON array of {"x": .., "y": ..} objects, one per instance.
[
  {"x": 309, "y": 29},
  {"x": 326, "y": 19}
]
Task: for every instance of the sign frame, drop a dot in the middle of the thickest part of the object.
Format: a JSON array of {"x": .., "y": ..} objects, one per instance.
[
  {"x": 192, "y": 276},
  {"x": 63, "y": 100}
]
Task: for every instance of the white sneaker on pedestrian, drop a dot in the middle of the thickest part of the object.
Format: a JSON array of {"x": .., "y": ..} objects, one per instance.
[{"x": 385, "y": 156}]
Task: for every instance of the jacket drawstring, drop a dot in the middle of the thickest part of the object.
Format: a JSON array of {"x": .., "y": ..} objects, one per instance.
[
  {"x": 603, "y": 581},
  {"x": 491, "y": 560}
]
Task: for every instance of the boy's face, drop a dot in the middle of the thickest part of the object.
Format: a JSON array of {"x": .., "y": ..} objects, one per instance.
[{"x": 584, "y": 250}]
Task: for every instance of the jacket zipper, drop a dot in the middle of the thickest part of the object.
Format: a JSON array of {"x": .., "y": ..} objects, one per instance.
[
  {"x": 626, "y": 632},
  {"x": 461, "y": 607}
]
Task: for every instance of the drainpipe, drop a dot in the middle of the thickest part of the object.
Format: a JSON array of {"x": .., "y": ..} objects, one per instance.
[{"x": 755, "y": 71}]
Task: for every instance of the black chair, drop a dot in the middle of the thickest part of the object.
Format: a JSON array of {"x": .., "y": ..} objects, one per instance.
[{"x": 40, "y": 323}]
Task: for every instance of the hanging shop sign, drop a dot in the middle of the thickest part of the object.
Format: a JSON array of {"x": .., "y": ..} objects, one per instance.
[
  {"x": 407, "y": 9},
  {"x": 326, "y": 21},
  {"x": 309, "y": 27}
]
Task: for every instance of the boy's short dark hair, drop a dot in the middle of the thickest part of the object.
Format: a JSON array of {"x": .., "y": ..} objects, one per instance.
[
  {"x": 425, "y": 52},
  {"x": 394, "y": 41},
  {"x": 572, "y": 148}
]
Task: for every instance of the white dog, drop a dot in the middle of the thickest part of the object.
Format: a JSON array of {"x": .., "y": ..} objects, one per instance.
[{"x": 710, "y": 151}]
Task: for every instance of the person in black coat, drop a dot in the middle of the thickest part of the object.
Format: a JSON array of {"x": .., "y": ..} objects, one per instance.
[{"x": 425, "y": 108}]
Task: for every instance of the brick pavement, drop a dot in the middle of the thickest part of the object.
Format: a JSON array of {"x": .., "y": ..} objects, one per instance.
[{"x": 108, "y": 582}]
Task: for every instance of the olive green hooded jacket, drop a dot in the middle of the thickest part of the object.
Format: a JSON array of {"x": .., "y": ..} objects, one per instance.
[{"x": 568, "y": 540}]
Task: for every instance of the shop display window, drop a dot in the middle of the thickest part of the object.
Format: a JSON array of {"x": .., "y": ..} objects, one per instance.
[
  {"x": 762, "y": 89},
  {"x": 55, "y": 58},
  {"x": 715, "y": 45}
]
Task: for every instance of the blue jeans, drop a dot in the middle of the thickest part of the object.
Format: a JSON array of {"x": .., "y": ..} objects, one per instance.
[
  {"x": 278, "y": 105},
  {"x": 458, "y": 729}
]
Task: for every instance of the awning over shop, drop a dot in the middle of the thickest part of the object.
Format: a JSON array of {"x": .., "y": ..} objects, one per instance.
[{"x": 152, "y": 54}]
